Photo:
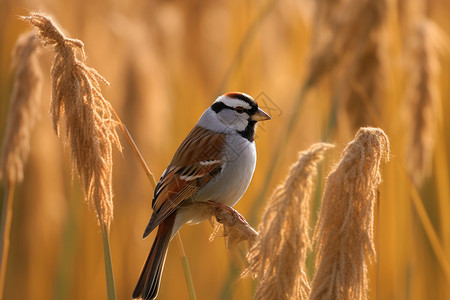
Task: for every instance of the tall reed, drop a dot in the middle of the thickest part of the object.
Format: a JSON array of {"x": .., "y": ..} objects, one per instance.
[
  {"x": 347, "y": 25},
  {"x": 349, "y": 47},
  {"x": 278, "y": 257},
  {"x": 344, "y": 232},
  {"x": 339, "y": 42},
  {"x": 175, "y": 89},
  {"x": 90, "y": 127},
  {"x": 22, "y": 116},
  {"x": 422, "y": 98},
  {"x": 24, "y": 108}
]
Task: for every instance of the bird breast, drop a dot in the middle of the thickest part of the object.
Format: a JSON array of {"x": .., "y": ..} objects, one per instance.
[
  {"x": 228, "y": 186},
  {"x": 231, "y": 183}
]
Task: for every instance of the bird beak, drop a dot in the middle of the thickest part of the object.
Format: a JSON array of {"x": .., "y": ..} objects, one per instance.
[{"x": 260, "y": 115}]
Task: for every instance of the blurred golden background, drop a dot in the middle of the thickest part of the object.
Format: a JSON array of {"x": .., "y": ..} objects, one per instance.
[{"x": 380, "y": 63}]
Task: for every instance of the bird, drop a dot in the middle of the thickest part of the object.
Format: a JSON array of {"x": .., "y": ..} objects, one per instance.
[{"x": 214, "y": 163}]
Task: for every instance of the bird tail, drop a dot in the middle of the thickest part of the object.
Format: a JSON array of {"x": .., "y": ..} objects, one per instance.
[{"x": 148, "y": 283}]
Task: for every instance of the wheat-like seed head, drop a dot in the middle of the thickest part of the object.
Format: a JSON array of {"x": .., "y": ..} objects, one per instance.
[
  {"x": 422, "y": 98},
  {"x": 362, "y": 84},
  {"x": 91, "y": 129},
  {"x": 346, "y": 30},
  {"x": 344, "y": 230},
  {"x": 348, "y": 45},
  {"x": 278, "y": 257},
  {"x": 24, "y": 108}
]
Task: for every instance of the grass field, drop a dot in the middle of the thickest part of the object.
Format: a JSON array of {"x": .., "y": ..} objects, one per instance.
[{"x": 321, "y": 70}]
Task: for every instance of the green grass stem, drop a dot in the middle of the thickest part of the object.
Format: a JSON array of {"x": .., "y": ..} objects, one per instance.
[
  {"x": 187, "y": 271},
  {"x": 6, "y": 218},
  {"x": 111, "y": 288}
]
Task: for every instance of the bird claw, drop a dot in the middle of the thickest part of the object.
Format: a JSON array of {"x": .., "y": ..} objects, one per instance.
[{"x": 236, "y": 215}]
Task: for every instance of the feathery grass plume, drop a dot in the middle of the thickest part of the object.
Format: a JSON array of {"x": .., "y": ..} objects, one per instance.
[
  {"x": 351, "y": 24},
  {"x": 22, "y": 116},
  {"x": 24, "y": 108},
  {"x": 422, "y": 98},
  {"x": 91, "y": 129},
  {"x": 361, "y": 86},
  {"x": 344, "y": 230},
  {"x": 323, "y": 21},
  {"x": 278, "y": 257}
]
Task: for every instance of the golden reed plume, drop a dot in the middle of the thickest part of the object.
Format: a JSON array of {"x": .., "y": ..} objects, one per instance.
[
  {"x": 347, "y": 44},
  {"x": 344, "y": 230},
  {"x": 91, "y": 130},
  {"x": 347, "y": 24},
  {"x": 24, "y": 108},
  {"x": 422, "y": 98},
  {"x": 362, "y": 83},
  {"x": 278, "y": 257},
  {"x": 22, "y": 116}
]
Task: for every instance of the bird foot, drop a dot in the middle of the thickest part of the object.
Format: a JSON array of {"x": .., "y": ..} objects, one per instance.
[{"x": 236, "y": 215}]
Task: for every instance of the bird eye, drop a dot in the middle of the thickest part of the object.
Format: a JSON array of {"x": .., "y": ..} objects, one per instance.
[{"x": 239, "y": 109}]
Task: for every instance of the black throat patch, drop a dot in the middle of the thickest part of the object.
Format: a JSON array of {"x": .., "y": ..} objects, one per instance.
[{"x": 249, "y": 131}]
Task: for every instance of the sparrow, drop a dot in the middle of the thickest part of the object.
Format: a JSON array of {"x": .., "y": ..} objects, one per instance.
[{"x": 214, "y": 163}]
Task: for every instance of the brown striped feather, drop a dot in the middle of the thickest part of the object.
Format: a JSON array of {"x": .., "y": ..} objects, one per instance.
[{"x": 197, "y": 160}]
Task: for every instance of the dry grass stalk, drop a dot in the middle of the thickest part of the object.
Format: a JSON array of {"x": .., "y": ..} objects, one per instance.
[
  {"x": 324, "y": 20},
  {"x": 362, "y": 84},
  {"x": 422, "y": 98},
  {"x": 349, "y": 24},
  {"x": 344, "y": 230},
  {"x": 22, "y": 116},
  {"x": 24, "y": 108},
  {"x": 91, "y": 129},
  {"x": 278, "y": 257}
]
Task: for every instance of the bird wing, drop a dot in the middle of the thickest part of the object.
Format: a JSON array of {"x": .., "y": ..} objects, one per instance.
[{"x": 197, "y": 160}]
